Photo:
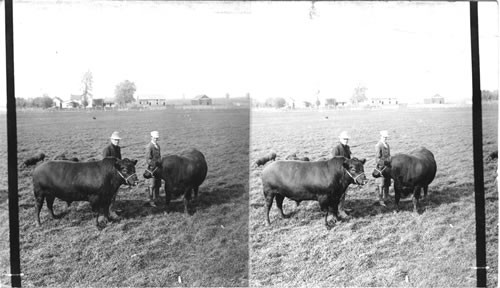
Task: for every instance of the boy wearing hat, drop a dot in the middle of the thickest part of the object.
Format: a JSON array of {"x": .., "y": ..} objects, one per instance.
[
  {"x": 113, "y": 150},
  {"x": 153, "y": 155},
  {"x": 382, "y": 152},
  {"x": 342, "y": 150}
]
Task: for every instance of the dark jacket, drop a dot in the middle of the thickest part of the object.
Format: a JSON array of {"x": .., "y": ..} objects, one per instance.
[
  {"x": 152, "y": 153},
  {"x": 382, "y": 152},
  {"x": 112, "y": 151},
  {"x": 341, "y": 150}
]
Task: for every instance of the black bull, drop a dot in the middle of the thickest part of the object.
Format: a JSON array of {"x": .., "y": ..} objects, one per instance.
[
  {"x": 182, "y": 174},
  {"x": 324, "y": 181},
  {"x": 96, "y": 182},
  {"x": 415, "y": 170}
]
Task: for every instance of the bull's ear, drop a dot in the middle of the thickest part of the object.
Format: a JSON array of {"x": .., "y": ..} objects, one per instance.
[
  {"x": 363, "y": 161},
  {"x": 135, "y": 161}
]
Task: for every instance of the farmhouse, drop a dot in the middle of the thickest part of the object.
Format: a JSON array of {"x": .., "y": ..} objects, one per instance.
[
  {"x": 58, "y": 102},
  {"x": 436, "y": 99},
  {"x": 201, "y": 100}
]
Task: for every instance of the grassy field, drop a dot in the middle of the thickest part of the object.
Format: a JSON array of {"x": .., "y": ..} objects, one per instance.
[
  {"x": 147, "y": 247},
  {"x": 377, "y": 247}
]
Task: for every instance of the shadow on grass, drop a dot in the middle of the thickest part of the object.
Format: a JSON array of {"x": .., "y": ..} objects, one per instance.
[
  {"x": 437, "y": 196},
  {"x": 216, "y": 196}
]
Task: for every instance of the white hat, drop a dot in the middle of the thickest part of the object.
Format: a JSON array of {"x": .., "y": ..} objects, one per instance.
[
  {"x": 155, "y": 134},
  {"x": 344, "y": 135},
  {"x": 115, "y": 135},
  {"x": 384, "y": 133}
]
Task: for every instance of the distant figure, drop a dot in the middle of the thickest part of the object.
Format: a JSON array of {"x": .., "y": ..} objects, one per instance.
[
  {"x": 342, "y": 150},
  {"x": 263, "y": 160},
  {"x": 35, "y": 159},
  {"x": 153, "y": 156},
  {"x": 383, "y": 152},
  {"x": 113, "y": 150}
]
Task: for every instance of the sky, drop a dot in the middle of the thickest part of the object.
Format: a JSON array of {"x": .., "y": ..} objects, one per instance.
[{"x": 408, "y": 50}]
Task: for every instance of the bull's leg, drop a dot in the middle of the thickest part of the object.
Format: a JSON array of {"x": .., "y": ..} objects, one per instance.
[
  {"x": 187, "y": 198},
  {"x": 195, "y": 189},
  {"x": 397, "y": 196},
  {"x": 39, "y": 199},
  {"x": 340, "y": 208},
  {"x": 426, "y": 187},
  {"x": 279, "y": 204},
  {"x": 50, "y": 204},
  {"x": 269, "y": 195},
  {"x": 102, "y": 216},
  {"x": 416, "y": 197},
  {"x": 323, "y": 204},
  {"x": 168, "y": 196},
  {"x": 112, "y": 214}
]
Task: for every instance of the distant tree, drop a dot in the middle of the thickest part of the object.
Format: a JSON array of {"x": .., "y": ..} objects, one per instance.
[
  {"x": 307, "y": 104},
  {"x": 124, "y": 92},
  {"x": 359, "y": 95},
  {"x": 43, "y": 102},
  {"x": 487, "y": 95},
  {"x": 318, "y": 102},
  {"x": 21, "y": 102},
  {"x": 87, "y": 83},
  {"x": 279, "y": 102}
]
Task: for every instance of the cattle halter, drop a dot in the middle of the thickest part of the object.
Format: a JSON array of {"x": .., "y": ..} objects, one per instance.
[
  {"x": 126, "y": 179},
  {"x": 153, "y": 170},
  {"x": 380, "y": 171},
  {"x": 354, "y": 178}
]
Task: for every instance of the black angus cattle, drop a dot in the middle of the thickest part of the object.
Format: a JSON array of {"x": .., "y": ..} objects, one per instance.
[
  {"x": 263, "y": 160},
  {"x": 96, "y": 182},
  {"x": 182, "y": 174},
  {"x": 324, "y": 181},
  {"x": 414, "y": 170},
  {"x": 35, "y": 159}
]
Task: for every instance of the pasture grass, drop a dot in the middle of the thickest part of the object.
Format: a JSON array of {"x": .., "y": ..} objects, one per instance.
[
  {"x": 148, "y": 247},
  {"x": 377, "y": 247}
]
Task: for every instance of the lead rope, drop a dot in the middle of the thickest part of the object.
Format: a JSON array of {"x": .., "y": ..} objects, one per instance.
[
  {"x": 153, "y": 170},
  {"x": 380, "y": 171}
]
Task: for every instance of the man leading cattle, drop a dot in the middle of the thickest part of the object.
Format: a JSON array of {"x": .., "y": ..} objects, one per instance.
[
  {"x": 382, "y": 152},
  {"x": 153, "y": 155},
  {"x": 113, "y": 150},
  {"x": 342, "y": 150}
]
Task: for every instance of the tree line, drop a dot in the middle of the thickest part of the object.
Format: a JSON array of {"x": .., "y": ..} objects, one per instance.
[{"x": 124, "y": 93}]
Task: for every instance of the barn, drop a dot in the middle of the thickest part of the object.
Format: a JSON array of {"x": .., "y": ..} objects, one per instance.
[
  {"x": 201, "y": 100},
  {"x": 436, "y": 99},
  {"x": 57, "y": 102}
]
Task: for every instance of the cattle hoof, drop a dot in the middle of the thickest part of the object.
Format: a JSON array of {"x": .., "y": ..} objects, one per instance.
[
  {"x": 101, "y": 222},
  {"x": 382, "y": 203}
]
